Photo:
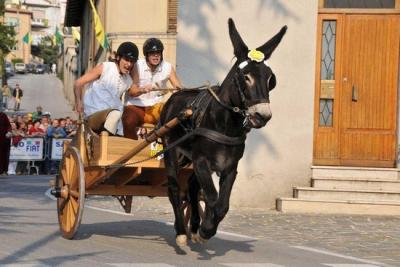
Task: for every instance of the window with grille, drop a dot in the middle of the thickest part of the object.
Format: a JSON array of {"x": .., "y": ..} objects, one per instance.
[{"x": 327, "y": 75}]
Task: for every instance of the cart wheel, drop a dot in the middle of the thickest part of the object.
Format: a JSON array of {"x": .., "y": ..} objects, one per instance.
[{"x": 71, "y": 181}]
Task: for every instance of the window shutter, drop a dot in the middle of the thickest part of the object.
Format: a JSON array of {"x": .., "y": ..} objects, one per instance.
[{"x": 172, "y": 16}]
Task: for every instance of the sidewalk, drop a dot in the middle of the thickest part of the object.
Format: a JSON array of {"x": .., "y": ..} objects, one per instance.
[{"x": 374, "y": 238}]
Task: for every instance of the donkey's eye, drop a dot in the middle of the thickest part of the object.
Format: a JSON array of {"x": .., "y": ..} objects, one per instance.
[{"x": 249, "y": 80}]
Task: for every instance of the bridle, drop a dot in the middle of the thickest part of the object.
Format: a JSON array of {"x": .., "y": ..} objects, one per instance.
[{"x": 253, "y": 55}]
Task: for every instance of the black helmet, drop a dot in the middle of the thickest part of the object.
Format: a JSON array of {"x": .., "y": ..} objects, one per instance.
[
  {"x": 129, "y": 50},
  {"x": 153, "y": 45}
]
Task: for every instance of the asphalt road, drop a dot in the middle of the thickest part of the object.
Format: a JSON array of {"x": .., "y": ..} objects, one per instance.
[
  {"x": 44, "y": 90},
  {"x": 30, "y": 237}
]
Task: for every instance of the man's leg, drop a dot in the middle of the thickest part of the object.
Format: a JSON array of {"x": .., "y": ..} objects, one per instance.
[
  {"x": 152, "y": 114},
  {"x": 112, "y": 120},
  {"x": 132, "y": 118}
]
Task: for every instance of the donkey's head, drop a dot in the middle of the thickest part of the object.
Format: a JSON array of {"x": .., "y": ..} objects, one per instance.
[{"x": 253, "y": 78}]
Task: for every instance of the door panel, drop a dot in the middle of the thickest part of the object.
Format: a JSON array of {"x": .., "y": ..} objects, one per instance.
[
  {"x": 369, "y": 90},
  {"x": 365, "y": 109}
]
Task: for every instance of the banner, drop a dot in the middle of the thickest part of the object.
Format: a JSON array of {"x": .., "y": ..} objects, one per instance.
[
  {"x": 57, "y": 148},
  {"x": 27, "y": 149},
  {"x": 98, "y": 27}
]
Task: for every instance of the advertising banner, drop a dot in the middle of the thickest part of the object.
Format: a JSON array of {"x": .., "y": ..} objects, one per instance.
[
  {"x": 27, "y": 149},
  {"x": 57, "y": 146}
]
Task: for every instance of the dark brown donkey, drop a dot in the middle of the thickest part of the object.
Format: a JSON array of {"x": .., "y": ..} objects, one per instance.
[{"x": 216, "y": 133}]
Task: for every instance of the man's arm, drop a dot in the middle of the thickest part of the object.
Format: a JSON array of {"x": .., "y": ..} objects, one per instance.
[
  {"x": 174, "y": 80},
  {"x": 135, "y": 90},
  {"x": 88, "y": 77}
]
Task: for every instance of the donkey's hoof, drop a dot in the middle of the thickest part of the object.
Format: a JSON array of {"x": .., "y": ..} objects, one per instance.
[
  {"x": 202, "y": 240},
  {"x": 181, "y": 240},
  {"x": 196, "y": 238}
]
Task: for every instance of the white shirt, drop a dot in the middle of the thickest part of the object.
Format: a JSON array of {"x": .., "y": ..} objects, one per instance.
[
  {"x": 106, "y": 92},
  {"x": 159, "y": 77}
]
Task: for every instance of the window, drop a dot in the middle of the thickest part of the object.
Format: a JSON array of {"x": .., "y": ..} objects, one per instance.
[
  {"x": 359, "y": 3},
  {"x": 327, "y": 75}
]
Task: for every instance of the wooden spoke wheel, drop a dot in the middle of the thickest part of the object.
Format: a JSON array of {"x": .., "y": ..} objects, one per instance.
[{"x": 71, "y": 181}]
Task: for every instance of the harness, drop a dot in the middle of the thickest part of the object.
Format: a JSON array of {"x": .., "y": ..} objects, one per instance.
[{"x": 199, "y": 106}]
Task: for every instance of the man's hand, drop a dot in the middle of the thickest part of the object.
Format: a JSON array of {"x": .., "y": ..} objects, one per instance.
[
  {"x": 79, "y": 107},
  {"x": 147, "y": 88}
]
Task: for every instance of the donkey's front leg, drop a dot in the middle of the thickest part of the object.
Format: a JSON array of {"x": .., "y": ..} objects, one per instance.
[
  {"x": 203, "y": 173},
  {"x": 194, "y": 194},
  {"x": 226, "y": 183},
  {"x": 175, "y": 197}
]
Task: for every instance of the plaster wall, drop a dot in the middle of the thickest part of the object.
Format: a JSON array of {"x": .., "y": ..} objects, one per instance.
[
  {"x": 278, "y": 156},
  {"x": 138, "y": 16},
  {"x": 23, "y": 50}
]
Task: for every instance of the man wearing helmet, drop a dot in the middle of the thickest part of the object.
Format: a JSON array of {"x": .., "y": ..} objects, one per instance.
[
  {"x": 101, "y": 103},
  {"x": 144, "y": 104}
]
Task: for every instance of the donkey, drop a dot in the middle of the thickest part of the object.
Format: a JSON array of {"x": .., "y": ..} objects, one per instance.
[{"x": 214, "y": 137}]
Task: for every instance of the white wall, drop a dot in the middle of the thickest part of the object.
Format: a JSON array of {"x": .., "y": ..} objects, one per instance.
[{"x": 278, "y": 156}]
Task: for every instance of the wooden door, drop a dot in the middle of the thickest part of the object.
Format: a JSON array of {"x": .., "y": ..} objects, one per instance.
[{"x": 363, "y": 132}]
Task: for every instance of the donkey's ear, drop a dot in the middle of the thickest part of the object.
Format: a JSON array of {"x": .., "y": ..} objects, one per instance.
[
  {"x": 270, "y": 46},
  {"x": 239, "y": 47}
]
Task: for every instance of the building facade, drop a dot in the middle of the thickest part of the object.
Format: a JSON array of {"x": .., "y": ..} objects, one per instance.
[
  {"x": 46, "y": 16},
  {"x": 337, "y": 69},
  {"x": 19, "y": 16}
]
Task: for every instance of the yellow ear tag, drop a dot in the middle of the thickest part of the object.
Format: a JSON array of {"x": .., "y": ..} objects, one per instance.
[{"x": 256, "y": 55}]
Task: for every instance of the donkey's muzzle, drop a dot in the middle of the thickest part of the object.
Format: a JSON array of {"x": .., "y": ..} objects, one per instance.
[{"x": 259, "y": 115}]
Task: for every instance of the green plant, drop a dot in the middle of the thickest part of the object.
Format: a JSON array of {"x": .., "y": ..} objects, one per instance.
[{"x": 17, "y": 60}]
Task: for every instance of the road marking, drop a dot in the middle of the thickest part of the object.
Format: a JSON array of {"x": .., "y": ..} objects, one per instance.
[
  {"x": 141, "y": 265},
  {"x": 47, "y": 193},
  {"x": 368, "y": 262},
  {"x": 252, "y": 265},
  {"x": 350, "y": 265},
  {"x": 25, "y": 265}
]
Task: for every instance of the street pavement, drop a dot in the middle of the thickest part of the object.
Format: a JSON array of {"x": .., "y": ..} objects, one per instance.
[
  {"x": 375, "y": 238},
  {"x": 247, "y": 238},
  {"x": 44, "y": 90}
]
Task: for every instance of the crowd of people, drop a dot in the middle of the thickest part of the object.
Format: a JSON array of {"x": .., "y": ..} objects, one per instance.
[{"x": 15, "y": 127}]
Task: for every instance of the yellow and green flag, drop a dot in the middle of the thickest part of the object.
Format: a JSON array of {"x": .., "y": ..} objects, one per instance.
[
  {"x": 76, "y": 34},
  {"x": 27, "y": 38},
  {"x": 100, "y": 33},
  {"x": 57, "y": 37}
]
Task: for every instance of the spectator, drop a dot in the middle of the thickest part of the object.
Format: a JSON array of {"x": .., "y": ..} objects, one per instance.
[
  {"x": 70, "y": 127},
  {"x": 15, "y": 138},
  {"x": 5, "y": 134},
  {"x": 17, "y": 94},
  {"x": 44, "y": 124},
  {"x": 55, "y": 130},
  {"x": 37, "y": 114},
  {"x": 6, "y": 96},
  {"x": 35, "y": 130},
  {"x": 19, "y": 134}
]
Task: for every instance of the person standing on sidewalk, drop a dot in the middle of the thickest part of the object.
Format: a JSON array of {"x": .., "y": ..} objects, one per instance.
[
  {"x": 6, "y": 96},
  {"x": 17, "y": 94}
]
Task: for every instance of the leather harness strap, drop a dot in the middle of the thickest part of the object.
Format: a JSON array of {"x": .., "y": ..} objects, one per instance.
[{"x": 219, "y": 137}]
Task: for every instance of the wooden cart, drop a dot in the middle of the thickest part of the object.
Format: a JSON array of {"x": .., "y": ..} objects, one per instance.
[{"x": 108, "y": 165}]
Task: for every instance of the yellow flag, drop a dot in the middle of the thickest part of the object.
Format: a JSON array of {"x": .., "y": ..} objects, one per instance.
[
  {"x": 76, "y": 34},
  {"x": 100, "y": 34}
]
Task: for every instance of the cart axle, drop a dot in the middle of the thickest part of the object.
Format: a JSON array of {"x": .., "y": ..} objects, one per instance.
[{"x": 56, "y": 192}]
